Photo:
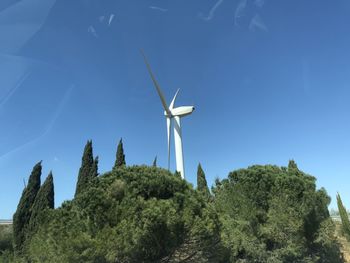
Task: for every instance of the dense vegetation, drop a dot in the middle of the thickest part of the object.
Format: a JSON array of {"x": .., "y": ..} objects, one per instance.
[
  {"x": 24, "y": 210},
  {"x": 6, "y": 247},
  {"x": 345, "y": 226},
  {"x": 273, "y": 214},
  {"x": 88, "y": 169},
  {"x": 147, "y": 214}
]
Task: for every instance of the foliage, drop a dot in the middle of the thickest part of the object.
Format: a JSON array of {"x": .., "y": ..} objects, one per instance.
[
  {"x": 120, "y": 156},
  {"x": 155, "y": 162},
  {"x": 5, "y": 238},
  {"x": 88, "y": 169},
  {"x": 44, "y": 200},
  {"x": 94, "y": 168},
  {"x": 202, "y": 185},
  {"x": 292, "y": 165},
  {"x": 24, "y": 209},
  {"x": 133, "y": 214},
  {"x": 344, "y": 218},
  {"x": 147, "y": 214},
  {"x": 271, "y": 214}
]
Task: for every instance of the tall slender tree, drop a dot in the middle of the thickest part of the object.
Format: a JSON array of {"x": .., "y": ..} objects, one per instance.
[
  {"x": 344, "y": 217},
  {"x": 155, "y": 162},
  {"x": 120, "y": 156},
  {"x": 88, "y": 165},
  {"x": 94, "y": 168},
  {"x": 202, "y": 185},
  {"x": 45, "y": 199},
  {"x": 24, "y": 209}
]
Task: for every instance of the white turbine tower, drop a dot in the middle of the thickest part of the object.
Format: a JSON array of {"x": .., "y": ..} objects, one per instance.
[{"x": 173, "y": 115}]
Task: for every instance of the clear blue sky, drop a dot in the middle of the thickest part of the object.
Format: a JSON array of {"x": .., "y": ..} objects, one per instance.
[{"x": 269, "y": 79}]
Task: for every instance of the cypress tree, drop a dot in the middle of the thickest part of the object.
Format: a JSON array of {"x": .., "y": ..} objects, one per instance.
[
  {"x": 94, "y": 168},
  {"x": 120, "y": 156},
  {"x": 155, "y": 162},
  {"x": 22, "y": 215},
  {"x": 344, "y": 218},
  {"x": 44, "y": 200},
  {"x": 85, "y": 171},
  {"x": 202, "y": 185}
]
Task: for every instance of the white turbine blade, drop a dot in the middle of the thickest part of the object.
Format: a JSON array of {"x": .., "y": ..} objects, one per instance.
[
  {"x": 157, "y": 85},
  {"x": 168, "y": 124},
  {"x": 173, "y": 101}
]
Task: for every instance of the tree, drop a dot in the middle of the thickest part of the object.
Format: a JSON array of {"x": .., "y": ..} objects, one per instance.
[
  {"x": 155, "y": 162},
  {"x": 24, "y": 209},
  {"x": 292, "y": 165},
  {"x": 177, "y": 174},
  {"x": 270, "y": 214},
  {"x": 293, "y": 168},
  {"x": 156, "y": 217},
  {"x": 94, "y": 168},
  {"x": 87, "y": 170},
  {"x": 44, "y": 200},
  {"x": 120, "y": 156},
  {"x": 202, "y": 185},
  {"x": 344, "y": 217},
  {"x": 6, "y": 239}
]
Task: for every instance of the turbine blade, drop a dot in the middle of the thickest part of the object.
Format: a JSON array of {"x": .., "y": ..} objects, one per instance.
[
  {"x": 168, "y": 122},
  {"x": 156, "y": 85},
  {"x": 173, "y": 101}
]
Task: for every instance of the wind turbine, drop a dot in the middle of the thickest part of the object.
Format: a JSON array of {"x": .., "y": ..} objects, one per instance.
[{"x": 173, "y": 115}]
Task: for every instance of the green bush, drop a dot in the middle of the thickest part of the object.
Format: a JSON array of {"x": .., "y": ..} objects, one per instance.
[
  {"x": 5, "y": 238},
  {"x": 273, "y": 214},
  {"x": 133, "y": 214},
  {"x": 147, "y": 214},
  {"x": 345, "y": 223}
]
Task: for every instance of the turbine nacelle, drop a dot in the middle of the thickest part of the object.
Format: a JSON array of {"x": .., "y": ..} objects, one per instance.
[{"x": 180, "y": 111}]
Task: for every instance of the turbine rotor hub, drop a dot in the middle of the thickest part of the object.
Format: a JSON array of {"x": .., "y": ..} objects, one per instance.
[{"x": 167, "y": 115}]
